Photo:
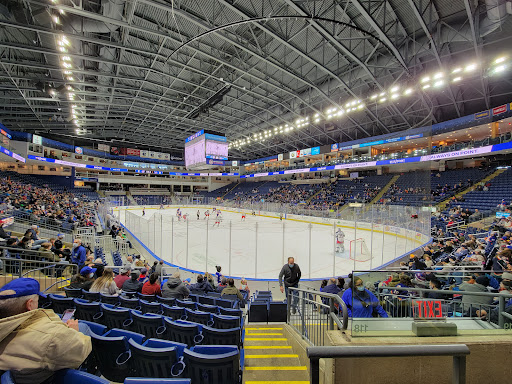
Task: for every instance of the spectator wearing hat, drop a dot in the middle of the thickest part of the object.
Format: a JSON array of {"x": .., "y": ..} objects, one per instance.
[
  {"x": 143, "y": 275},
  {"x": 84, "y": 279},
  {"x": 35, "y": 342},
  {"x": 122, "y": 277},
  {"x": 133, "y": 284}
]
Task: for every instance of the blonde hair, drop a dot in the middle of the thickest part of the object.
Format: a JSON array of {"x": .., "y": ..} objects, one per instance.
[{"x": 104, "y": 281}]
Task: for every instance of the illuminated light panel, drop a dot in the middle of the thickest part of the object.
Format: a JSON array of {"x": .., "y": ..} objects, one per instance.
[
  {"x": 457, "y": 79},
  {"x": 408, "y": 91},
  {"x": 56, "y": 19},
  {"x": 457, "y": 70},
  {"x": 500, "y": 68},
  {"x": 425, "y": 79},
  {"x": 500, "y": 60},
  {"x": 340, "y": 112},
  {"x": 382, "y": 100},
  {"x": 470, "y": 68},
  {"x": 66, "y": 58},
  {"x": 439, "y": 83},
  {"x": 426, "y": 86},
  {"x": 395, "y": 89},
  {"x": 395, "y": 96},
  {"x": 438, "y": 75},
  {"x": 374, "y": 97},
  {"x": 62, "y": 49}
]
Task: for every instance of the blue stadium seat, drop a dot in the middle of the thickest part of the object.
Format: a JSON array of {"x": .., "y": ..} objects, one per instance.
[
  {"x": 258, "y": 312},
  {"x": 98, "y": 329},
  {"x": 112, "y": 352},
  {"x": 91, "y": 296},
  {"x": 143, "y": 380},
  {"x": 166, "y": 300},
  {"x": 127, "y": 302},
  {"x": 207, "y": 308},
  {"x": 146, "y": 297},
  {"x": 150, "y": 307},
  {"x": 182, "y": 332},
  {"x": 231, "y": 312},
  {"x": 208, "y": 300},
  {"x": 186, "y": 304},
  {"x": 214, "y": 336},
  {"x": 115, "y": 317},
  {"x": 73, "y": 292},
  {"x": 149, "y": 325},
  {"x": 217, "y": 365},
  {"x": 155, "y": 358},
  {"x": 199, "y": 317},
  {"x": 226, "y": 303},
  {"x": 226, "y": 322},
  {"x": 176, "y": 313},
  {"x": 61, "y": 303},
  {"x": 87, "y": 311},
  {"x": 73, "y": 376},
  {"x": 109, "y": 299}
]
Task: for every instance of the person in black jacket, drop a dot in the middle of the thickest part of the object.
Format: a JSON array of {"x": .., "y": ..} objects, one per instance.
[{"x": 289, "y": 276}]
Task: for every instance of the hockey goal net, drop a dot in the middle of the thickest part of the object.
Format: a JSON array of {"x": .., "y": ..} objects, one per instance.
[{"x": 358, "y": 250}]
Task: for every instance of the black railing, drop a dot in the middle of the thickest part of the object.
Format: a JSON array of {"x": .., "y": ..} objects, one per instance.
[{"x": 458, "y": 351}]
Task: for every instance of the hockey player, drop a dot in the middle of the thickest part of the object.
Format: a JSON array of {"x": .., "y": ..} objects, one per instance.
[
  {"x": 243, "y": 216},
  {"x": 198, "y": 214},
  {"x": 206, "y": 215},
  {"x": 340, "y": 241}
]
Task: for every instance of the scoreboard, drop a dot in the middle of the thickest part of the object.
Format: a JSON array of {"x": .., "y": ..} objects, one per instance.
[{"x": 205, "y": 149}]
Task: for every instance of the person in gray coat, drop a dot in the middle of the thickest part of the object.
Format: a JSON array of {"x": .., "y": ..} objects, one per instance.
[{"x": 174, "y": 288}]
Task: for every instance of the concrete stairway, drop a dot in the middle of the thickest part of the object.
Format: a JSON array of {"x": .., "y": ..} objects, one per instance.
[
  {"x": 383, "y": 190},
  {"x": 224, "y": 195},
  {"x": 319, "y": 191},
  {"x": 269, "y": 357},
  {"x": 131, "y": 199},
  {"x": 441, "y": 206}
]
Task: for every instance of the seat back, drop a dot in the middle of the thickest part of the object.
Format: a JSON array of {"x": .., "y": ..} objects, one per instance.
[
  {"x": 207, "y": 308},
  {"x": 209, "y": 300},
  {"x": 258, "y": 312},
  {"x": 213, "y": 369},
  {"x": 87, "y": 311},
  {"x": 147, "y": 324},
  {"x": 230, "y": 312},
  {"x": 186, "y": 304},
  {"x": 224, "y": 303},
  {"x": 181, "y": 333},
  {"x": 166, "y": 300},
  {"x": 73, "y": 292},
  {"x": 109, "y": 299},
  {"x": 225, "y": 322},
  {"x": 110, "y": 354},
  {"x": 176, "y": 313},
  {"x": 277, "y": 312},
  {"x": 127, "y": 302},
  {"x": 198, "y": 317},
  {"x": 149, "y": 298},
  {"x": 149, "y": 307},
  {"x": 61, "y": 303},
  {"x": 143, "y": 380},
  {"x": 91, "y": 296},
  {"x": 153, "y": 359},
  {"x": 74, "y": 376},
  {"x": 213, "y": 336},
  {"x": 98, "y": 329},
  {"x": 114, "y": 317}
]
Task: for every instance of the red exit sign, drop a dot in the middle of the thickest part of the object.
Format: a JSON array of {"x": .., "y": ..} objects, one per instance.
[{"x": 428, "y": 309}]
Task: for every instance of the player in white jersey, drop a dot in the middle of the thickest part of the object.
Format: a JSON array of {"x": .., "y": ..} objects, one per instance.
[
  {"x": 219, "y": 212},
  {"x": 340, "y": 241},
  {"x": 218, "y": 219},
  {"x": 206, "y": 215},
  {"x": 178, "y": 214},
  {"x": 243, "y": 216},
  {"x": 162, "y": 206}
]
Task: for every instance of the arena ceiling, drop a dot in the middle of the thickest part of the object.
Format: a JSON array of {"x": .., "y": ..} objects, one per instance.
[{"x": 149, "y": 73}]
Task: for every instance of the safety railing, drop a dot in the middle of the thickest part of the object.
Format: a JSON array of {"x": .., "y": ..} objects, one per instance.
[
  {"x": 457, "y": 351},
  {"x": 312, "y": 313}
]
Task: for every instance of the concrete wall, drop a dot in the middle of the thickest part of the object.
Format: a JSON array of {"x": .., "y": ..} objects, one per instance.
[{"x": 489, "y": 361}]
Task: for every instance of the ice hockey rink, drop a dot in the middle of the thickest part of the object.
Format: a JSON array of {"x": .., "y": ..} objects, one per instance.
[{"x": 258, "y": 246}]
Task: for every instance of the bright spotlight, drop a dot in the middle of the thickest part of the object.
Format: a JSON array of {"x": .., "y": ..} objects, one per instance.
[
  {"x": 470, "y": 68},
  {"x": 500, "y": 60},
  {"x": 457, "y": 70},
  {"x": 382, "y": 100},
  {"x": 457, "y": 79},
  {"x": 438, "y": 75},
  {"x": 426, "y": 86},
  {"x": 425, "y": 79},
  {"x": 500, "y": 68},
  {"x": 374, "y": 97},
  {"x": 408, "y": 91},
  {"x": 439, "y": 83}
]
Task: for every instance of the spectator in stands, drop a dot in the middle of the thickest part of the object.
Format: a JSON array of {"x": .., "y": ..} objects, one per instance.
[
  {"x": 105, "y": 284},
  {"x": 427, "y": 260},
  {"x": 123, "y": 276},
  {"x": 4, "y": 235},
  {"x": 361, "y": 302},
  {"x": 244, "y": 286},
  {"x": 435, "y": 293},
  {"x": 223, "y": 284},
  {"x": 331, "y": 287},
  {"x": 35, "y": 342},
  {"x": 175, "y": 288},
  {"x": 159, "y": 267},
  {"x": 152, "y": 286},
  {"x": 232, "y": 290},
  {"x": 218, "y": 274},
  {"x": 471, "y": 303},
  {"x": 98, "y": 264},
  {"x": 133, "y": 284},
  {"x": 79, "y": 254},
  {"x": 143, "y": 275},
  {"x": 290, "y": 276},
  {"x": 26, "y": 243},
  {"x": 202, "y": 285},
  {"x": 45, "y": 251},
  {"x": 84, "y": 279},
  {"x": 494, "y": 313}
]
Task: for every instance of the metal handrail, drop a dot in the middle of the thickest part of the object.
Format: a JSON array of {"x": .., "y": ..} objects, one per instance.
[
  {"x": 342, "y": 325},
  {"x": 458, "y": 351}
]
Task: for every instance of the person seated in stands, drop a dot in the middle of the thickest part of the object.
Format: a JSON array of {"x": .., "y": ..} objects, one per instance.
[
  {"x": 223, "y": 284},
  {"x": 4, "y": 235},
  {"x": 494, "y": 313},
  {"x": 133, "y": 284},
  {"x": 331, "y": 287},
  {"x": 427, "y": 260},
  {"x": 232, "y": 290},
  {"x": 152, "y": 286},
  {"x": 208, "y": 277},
  {"x": 105, "y": 284},
  {"x": 45, "y": 251},
  {"x": 471, "y": 303},
  {"x": 202, "y": 285},
  {"x": 35, "y": 342},
  {"x": 461, "y": 252},
  {"x": 143, "y": 275},
  {"x": 244, "y": 286},
  {"x": 435, "y": 293},
  {"x": 361, "y": 302},
  {"x": 122, "y": 277},
  {"x": 175, "y": 288},
  {"x": 84, "y": 279}
]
